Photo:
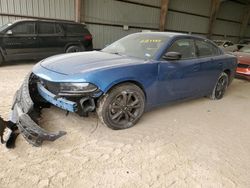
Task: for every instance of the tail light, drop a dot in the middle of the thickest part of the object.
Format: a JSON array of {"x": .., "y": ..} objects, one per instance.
[{"x": 88, "y": 37}]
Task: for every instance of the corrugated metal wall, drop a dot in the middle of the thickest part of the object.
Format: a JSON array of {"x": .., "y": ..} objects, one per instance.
[
  {"x": 57, "y": 9},
  {"x": 111, "y": 27},
  {"x": 189, "y": 16},
  {"x": 193, "y": 16},
  {"x": 229, "y": 20},
  {"x": 106, "y": 18}
]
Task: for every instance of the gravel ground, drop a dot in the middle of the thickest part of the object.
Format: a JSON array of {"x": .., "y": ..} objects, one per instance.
[{"x": 199, "y": 143}]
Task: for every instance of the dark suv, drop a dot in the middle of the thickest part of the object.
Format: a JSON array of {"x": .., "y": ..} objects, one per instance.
[{"x": 37, "y": 39}]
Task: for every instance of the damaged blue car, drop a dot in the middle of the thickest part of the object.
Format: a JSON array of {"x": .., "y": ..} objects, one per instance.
[{"x": 122, "y": 81}]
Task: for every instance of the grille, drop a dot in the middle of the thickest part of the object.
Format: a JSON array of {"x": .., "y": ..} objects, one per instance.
[{"x": 243, "y": 65}]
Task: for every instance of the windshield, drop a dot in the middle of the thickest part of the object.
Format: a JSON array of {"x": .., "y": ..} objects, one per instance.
[
  {"x": 245, "y": 49},
  {"x": 5, "y": 26},
  {"x": 142, "y": 46}
]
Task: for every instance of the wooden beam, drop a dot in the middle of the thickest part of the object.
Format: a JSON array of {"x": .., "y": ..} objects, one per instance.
[
  {"x": 163, "y": 14},
  {"x": 215, "y": 6},
  {"x": 244, "y": 22},
  {"x": 78, "y": 10}
]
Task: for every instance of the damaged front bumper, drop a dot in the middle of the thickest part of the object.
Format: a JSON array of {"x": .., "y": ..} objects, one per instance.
[{"x": 26, "y": 110}]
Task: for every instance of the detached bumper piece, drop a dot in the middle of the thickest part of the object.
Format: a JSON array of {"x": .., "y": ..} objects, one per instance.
[{"x": 25, "y": 112}]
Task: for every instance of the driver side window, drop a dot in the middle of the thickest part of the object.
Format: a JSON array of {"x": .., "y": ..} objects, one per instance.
[
  {"x": 185, "y": 47},
  {"x": 24, "y": 28}
]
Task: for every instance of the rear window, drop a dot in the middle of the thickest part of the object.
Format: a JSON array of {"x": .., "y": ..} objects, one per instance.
[
  {"x": 48, "y": 28},
  {"x": 206, "y": 49},
  {"x": 76, "y": 29}
]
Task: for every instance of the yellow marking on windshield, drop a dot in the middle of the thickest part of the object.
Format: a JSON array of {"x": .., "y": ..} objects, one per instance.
[{"x": 150, "y": 40}]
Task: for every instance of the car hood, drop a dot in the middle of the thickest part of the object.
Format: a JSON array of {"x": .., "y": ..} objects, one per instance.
[
  {"x": 243, "y": 58},
  {"x": 86, "y": 61}
]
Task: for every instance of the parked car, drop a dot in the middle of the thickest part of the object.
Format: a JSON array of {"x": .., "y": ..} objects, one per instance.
[
  {"x": 228, "y": 46},
  {"x": 243, "y": 68},
  {"x": 223, "y": 43},
  {"x": 37, "y": 39},
  {"x": 234, "y": 48},
  {"x": 120, "y": 82},
  {"x": 244, "y": 41}
]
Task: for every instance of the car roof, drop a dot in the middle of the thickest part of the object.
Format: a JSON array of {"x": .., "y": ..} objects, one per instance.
[
  {"x": 48, "y": 20},
  {"x": 222, "y": 41},
  {"x": 170, "y": 34}
]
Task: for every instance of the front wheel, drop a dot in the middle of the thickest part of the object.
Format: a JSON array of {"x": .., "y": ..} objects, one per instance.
[
  {"x": 121, "y": 107},
  {"x": 220, "y": 87}
]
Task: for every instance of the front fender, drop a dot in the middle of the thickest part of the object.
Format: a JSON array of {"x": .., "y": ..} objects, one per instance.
[
  {"x": 144, "y": 75},
  {"x": 123, "y": 80}
]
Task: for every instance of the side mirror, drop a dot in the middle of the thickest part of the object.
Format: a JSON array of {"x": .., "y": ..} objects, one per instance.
[
  {"x": 9, "y": 32},
  {"x": 172, "y": 56}
]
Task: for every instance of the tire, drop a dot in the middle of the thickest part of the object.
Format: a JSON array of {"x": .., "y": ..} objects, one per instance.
[
  {"x": 1, "y": 59},
  {"x": 220, "y": 87},
  {"x": 73, "y": 49},
  {"x": 122, "y": 106}
]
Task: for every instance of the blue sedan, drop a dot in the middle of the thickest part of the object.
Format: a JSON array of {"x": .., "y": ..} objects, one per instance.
[{"x": 120, "y": 82}]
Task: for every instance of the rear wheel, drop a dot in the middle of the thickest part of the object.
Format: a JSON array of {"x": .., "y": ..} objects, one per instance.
[
  {"x": 1, "y": 59},
  {"x": 122, "y": 107},
  {"x": 72, "y": 49},
  {"x": 220, "y": 87}
]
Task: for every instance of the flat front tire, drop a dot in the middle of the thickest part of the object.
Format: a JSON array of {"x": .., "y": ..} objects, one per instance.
[
  {"x": 220, "y": 87},
  {"x": 122, "y": 106}
]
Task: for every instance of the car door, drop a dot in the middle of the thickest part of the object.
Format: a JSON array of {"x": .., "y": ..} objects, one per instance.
[
  {"x": 20, "y": 41},
  {"x": 179, "y": 79},
  {"x": 211, "y": 63},
  {"x": 51, "y": 38}
]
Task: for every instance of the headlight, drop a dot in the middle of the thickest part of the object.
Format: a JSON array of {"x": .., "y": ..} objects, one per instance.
[{"x": 77, "y": 88}]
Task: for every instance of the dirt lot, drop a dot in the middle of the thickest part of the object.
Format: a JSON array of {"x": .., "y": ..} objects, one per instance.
[{"x": 199, "y": 143}]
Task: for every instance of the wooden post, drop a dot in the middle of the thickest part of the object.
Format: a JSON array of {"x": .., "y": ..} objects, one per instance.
[
  {"x": 163, "y": 14},
  {"x": 215, "y": 6},
  {"x": 244, "y": 22},
  {"x": 78, "y": 10}
]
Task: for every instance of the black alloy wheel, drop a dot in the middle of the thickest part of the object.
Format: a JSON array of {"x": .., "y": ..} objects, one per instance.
[
  {"x": 122, "y": 107},
  {"x": 220, "y": 87}
]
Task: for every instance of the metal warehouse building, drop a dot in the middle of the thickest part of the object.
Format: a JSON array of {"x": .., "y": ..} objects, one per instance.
[
  {"x": 167, "y": 105},
  {"x": 220, "y": 19}
]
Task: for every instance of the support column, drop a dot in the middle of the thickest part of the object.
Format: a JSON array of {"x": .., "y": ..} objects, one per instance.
[
  {"x": 163, "y": 14},
  {"x": 215, "y": 6},
  {"x": 78, "y": 10},
  {"x": 244, "y": 22}
]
